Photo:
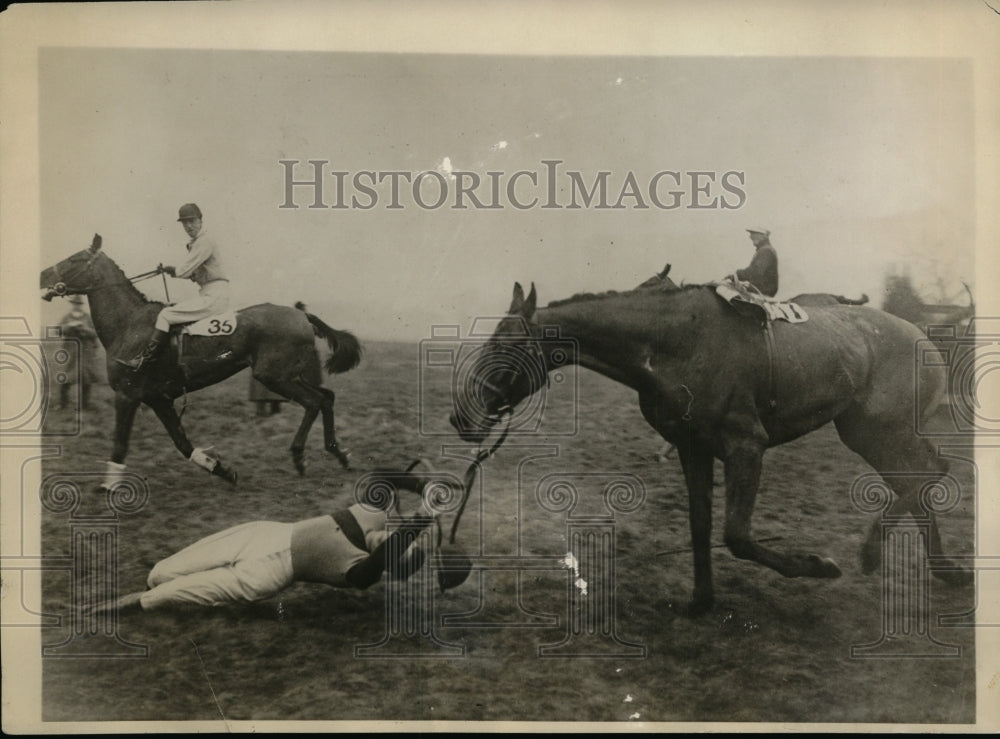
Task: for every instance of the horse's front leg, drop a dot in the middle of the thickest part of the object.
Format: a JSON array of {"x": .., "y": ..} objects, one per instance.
[
  {"x": 742, "y": 461},
  {"x": 164, "y": 409},
  {"x": 125, "y": 408},
  {"x": 697, "y": 462}
]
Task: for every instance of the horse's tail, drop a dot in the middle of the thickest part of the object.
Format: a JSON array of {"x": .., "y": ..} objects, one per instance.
[
  {"x": 850, "y": 301},
  {"x": 345, "y": 346}
]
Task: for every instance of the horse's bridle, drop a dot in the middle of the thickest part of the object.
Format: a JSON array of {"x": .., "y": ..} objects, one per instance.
[
  {"x": 60, "y": 288},
  {"x": 506, "y": 407}
]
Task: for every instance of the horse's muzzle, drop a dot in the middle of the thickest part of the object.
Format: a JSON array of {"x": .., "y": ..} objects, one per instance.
[
  {"x": 50, "y": 284},
  {"x": 465, "y": 433}
]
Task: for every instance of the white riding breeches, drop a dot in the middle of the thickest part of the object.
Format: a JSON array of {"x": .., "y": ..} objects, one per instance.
[
  {"x": 249, "y": 562},
  {"x": 213, "y": 298}
]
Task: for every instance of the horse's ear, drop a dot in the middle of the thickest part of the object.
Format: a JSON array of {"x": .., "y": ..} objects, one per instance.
[
  {"x": 517, "y": 300},
  {"x": 528, "y": 309},
  {"x": 96, "y": 243}
]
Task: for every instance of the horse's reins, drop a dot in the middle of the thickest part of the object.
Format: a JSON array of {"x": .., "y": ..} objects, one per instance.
[
  {"x": 470, "y": 473},
  {"x": 505, "y": 411},
  {"x": 60, "y": 287}
]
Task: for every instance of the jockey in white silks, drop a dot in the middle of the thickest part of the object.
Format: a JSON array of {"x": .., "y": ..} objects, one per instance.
[{"x": 202, "y": 266}]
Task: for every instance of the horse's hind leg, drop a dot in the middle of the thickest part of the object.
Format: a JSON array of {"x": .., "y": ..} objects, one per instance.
[
  {"x": 314, "y": 400},
  {"x": 909, "y": 465},
  {"x": 298, "y": 447},
  {"x": 329, "y": 431},
  {"x": 742, "y": 465}
]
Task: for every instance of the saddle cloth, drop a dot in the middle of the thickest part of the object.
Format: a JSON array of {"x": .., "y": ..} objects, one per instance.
[
  {"x": 741, "y": 298},
  {"x": 222, "y": 324}
]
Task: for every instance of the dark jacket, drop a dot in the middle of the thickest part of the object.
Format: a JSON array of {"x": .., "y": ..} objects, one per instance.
[{"x": 762, "y": 272}]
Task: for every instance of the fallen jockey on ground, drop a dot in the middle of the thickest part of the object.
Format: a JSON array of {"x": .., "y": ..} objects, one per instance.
[{"x": 350, "y": 548}]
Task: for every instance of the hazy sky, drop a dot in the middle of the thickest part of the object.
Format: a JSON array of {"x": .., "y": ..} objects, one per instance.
[{"x": 858, "y": 166}]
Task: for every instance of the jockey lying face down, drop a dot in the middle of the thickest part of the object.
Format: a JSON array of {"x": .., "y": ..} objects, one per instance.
[{"x": 349, "y": 548}]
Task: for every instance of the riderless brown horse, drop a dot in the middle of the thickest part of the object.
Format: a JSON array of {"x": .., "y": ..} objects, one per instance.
[
  {"x": 277, "y": 342},
  {"x": 707, "y": 383}
]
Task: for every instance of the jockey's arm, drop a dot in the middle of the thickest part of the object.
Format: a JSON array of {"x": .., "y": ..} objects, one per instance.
[{"x": 201, "y": 250}]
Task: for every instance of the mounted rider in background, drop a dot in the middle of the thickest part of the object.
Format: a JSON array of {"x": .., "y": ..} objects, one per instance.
[
  {"x": 762, "y": 272},
  {"x": 202, "y": 266}
]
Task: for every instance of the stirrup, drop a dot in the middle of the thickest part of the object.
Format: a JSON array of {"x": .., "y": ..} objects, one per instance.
[
  {"x": 133, "y": 364},
  {"x": 137, "y": 363}
]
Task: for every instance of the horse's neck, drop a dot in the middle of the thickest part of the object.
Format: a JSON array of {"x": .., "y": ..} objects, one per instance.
[
  {"x": 607, "y": 340},
  {"x": 114, "y": 301}
]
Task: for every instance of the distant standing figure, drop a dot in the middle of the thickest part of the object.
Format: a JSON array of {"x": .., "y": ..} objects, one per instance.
[
  {"x": 268, "y": 402},
  {"x": 762, "y": 272},
  {"x": 82, "y": 364},
  {"x": 202, "y": 266}
]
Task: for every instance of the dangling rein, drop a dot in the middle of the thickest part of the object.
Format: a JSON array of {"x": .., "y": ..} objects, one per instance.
[{"x": 470, "y": 475}]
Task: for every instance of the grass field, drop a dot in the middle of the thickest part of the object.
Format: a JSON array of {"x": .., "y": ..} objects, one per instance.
[{"x": 772, "y": 649}]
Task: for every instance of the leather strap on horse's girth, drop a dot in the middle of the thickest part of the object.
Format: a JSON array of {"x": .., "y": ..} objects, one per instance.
[{"x": 772, "y": 370}]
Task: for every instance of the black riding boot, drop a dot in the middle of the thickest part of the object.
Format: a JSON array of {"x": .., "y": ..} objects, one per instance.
[{"x": 149, "y": 354}]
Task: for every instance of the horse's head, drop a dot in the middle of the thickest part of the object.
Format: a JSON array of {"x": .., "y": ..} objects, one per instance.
[
  {"x": 72, "y": 275},
  {"x": 505, "y": 370}
]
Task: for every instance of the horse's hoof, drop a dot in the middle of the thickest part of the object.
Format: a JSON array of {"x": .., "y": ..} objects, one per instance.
[
  {"x": 220, "y": 470},
  {"x": 699, "y": 606},
  {"x": 299, "y": 460},
  {"x": 343, "y": 456},
  {"x": 824, "y": 567}
]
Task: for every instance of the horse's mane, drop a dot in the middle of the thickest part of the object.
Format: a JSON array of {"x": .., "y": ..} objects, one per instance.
[
  {"x": 125, "y": 278},
  {"x": 586, "y": 297}
]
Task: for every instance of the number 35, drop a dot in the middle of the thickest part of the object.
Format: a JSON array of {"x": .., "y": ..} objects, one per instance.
[{"x": 215, "y": 326}]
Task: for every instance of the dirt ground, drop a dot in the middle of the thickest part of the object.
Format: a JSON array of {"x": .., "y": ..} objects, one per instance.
[{"x": 508, "y": 644}]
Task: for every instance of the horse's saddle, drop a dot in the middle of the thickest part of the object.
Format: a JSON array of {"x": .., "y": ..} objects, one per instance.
[
  {"x": 744, "y": 299},
  {"x": 219, "y": 325},
  {"x": 222, "y": 324}
]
